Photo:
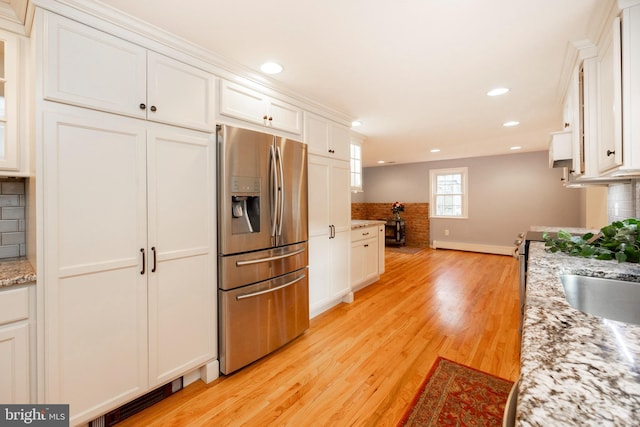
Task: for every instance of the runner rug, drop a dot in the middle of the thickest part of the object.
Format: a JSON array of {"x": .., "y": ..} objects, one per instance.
[{"x": 457, "y": 395}]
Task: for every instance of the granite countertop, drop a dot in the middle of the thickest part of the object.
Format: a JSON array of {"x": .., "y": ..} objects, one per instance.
[
  {"x": 16, "y": 271},
  {"x": 362, "y": 223},
  {"x": 576, "y": 369}
]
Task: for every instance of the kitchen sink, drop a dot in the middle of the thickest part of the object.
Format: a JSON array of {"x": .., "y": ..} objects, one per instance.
[{"x": 608, "y": 298}]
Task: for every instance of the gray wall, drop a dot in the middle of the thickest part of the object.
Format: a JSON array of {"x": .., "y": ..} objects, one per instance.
[{"x": 507, "y": 194}]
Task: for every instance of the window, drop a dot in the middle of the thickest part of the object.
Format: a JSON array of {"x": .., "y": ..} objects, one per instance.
[
  {"x": 356, "y": 165},
  {"x": 448, "y": 193}
]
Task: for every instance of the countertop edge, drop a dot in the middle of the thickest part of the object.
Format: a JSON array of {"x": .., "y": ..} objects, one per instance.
[
  {"x": 575, "y": 368},
  {"x": 16, "y": 271}
]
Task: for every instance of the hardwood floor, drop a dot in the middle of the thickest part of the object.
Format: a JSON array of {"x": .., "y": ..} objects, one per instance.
[{"x": 360, "y": 364}]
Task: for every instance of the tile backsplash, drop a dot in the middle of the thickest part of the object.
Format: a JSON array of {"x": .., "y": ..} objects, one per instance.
[
  {"x": 12, "y": 218},
  {"x": 623, "y": 201}
]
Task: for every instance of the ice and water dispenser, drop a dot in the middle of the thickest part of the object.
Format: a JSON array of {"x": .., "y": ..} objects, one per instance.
[{"x": 245, "y": 204}]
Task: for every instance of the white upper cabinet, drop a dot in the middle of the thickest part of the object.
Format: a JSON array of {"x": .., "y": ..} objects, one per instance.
[
  {"x": 326, "y": 138},
  {"x": 179, "y": 94},
  {"x": 89, "y": 68},
  {"x": 618, "y": 152},
  {"x": 10, "y": 154},
  {"x": 609, "y": 152},
  {"x": 242, "y": 103},
  {"x": 631, "y": 90}
]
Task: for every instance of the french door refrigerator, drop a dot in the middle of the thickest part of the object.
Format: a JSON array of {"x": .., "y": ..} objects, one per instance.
[{"x": 262, "y": 244}]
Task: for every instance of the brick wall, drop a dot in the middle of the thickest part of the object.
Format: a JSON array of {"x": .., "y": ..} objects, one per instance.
[{"x": 415, "y": 215}]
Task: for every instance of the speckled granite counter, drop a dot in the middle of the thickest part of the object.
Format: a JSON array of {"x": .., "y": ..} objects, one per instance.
[
  {"x": 16, "y": 271},
  {"x": 576, "y": 369},
  {"x": 362, "y": 223}
]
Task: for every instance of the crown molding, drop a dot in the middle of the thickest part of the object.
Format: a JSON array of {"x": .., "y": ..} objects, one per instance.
[
  {"x": 623, "y": 4},
  {"x": 116, "y": 22}
]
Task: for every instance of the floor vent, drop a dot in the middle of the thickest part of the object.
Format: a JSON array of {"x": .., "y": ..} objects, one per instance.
[{"x": 138, "y": 405}]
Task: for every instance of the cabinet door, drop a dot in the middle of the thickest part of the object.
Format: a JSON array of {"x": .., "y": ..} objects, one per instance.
[
  {"x": 340, "y": 264},
  {"x": 242, "y": 103},
  {"x": 381, "y": 244},
  {"x": 9, "y": 142},
  {"x": 89, "y": 68},
  {"x": 14, "y": 364},
  {"x": 179, "y": 94},
  {"x": 285, "y": 117},
  {"x": 95, "y": 300},
  {"x": 357, "y": 262},
  {"x": 340, "y": 193},
  {"x": 610, "y": 92},
  {"x": 182, "y": 262},
  {"x": 340, "y": 142},
  {"x": 320, "y": 290},
  {"x": 370, "y": 257},
  {"x": 319, "y": 182},
  {"x": 316, "y": 134}
]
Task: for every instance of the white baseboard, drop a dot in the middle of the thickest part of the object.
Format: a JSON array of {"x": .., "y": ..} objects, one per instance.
[{"x": 473, "y": 247}]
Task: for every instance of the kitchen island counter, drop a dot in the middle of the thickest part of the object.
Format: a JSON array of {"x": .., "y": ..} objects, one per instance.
[
  {"x": 576, "y": 369},
  {"x": 16, "y": 271}
]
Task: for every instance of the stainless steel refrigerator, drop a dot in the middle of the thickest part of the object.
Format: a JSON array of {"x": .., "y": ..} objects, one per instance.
[{"x": 262, "y": 244}]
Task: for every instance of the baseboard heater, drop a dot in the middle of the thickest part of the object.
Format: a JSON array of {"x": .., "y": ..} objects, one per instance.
[
  {"x": 473, "y": 247},
  {"x": 137, "y": 405}
]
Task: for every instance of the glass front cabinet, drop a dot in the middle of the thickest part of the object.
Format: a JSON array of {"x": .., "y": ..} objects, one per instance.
[{"x": 9, "y": 109}]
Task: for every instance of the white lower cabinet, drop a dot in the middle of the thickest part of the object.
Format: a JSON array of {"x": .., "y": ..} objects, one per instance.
[
  {"x": 328, "y": 271},
  {"x": 364, "y": 257},
  {"x": 15, "y": 372},
  {"x": 329, "y": 233},
  {"x": 381, "y": 245},
  {"x": 129, "y": 257}
]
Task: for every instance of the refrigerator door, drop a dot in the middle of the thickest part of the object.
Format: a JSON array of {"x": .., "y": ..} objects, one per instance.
[
  {"x": 242, "y": 269},
  {"x": 257, "y": 319},
  {"x": 292, "y": 213},
  {"x": 245, "y": 161}
]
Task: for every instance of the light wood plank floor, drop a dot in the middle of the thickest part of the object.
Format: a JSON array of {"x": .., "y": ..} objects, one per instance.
[{"x": 360, "y": 364}]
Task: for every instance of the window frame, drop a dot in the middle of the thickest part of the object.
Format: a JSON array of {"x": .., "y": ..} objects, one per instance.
[
  {"x": 355, "y": 165},
  {"x": 433, "y": 178}
]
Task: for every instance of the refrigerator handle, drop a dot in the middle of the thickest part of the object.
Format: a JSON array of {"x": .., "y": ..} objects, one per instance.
[
  {"x": 273, "y": 183},
  {"x": 266, "y": 291},
  {"x": 280, "y": 185}
]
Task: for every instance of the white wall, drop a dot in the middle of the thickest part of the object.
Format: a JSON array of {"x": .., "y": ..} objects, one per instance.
[{"x": 507, "y": 195}]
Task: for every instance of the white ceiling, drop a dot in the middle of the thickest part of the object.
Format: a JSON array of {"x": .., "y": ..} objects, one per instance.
[{"x": 415, "y": 72}]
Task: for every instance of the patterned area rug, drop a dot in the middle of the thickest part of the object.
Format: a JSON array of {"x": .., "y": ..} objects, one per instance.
[{"x": 456, "y": 395}]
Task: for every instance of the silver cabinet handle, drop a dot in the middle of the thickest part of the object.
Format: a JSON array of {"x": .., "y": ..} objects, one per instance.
[
  {"x": 266, "y": 291},
  {"x": 271, "y": 258}
]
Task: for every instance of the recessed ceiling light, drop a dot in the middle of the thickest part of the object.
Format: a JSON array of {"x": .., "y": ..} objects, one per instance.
[
  {"x": 517, "y": 147},
  {"x": 511, "y": 123},
  {"x": 380, "y": 161},
  {"x": 435, "y": 150},
  {"x": 356, "y": 123},
  {"x": 271, "y": 68},
  {"x": 498, "y": 91}
]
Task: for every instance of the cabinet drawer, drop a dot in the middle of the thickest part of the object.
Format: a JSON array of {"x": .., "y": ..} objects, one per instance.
[
  {"x": 363, "y": 233},
  {"x": 14, "y": 305}
]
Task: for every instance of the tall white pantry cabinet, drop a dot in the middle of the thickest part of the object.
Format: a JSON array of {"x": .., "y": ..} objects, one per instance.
[
  {"x": 329, "y": 213},
  {"x": 127, "y": 206}
]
